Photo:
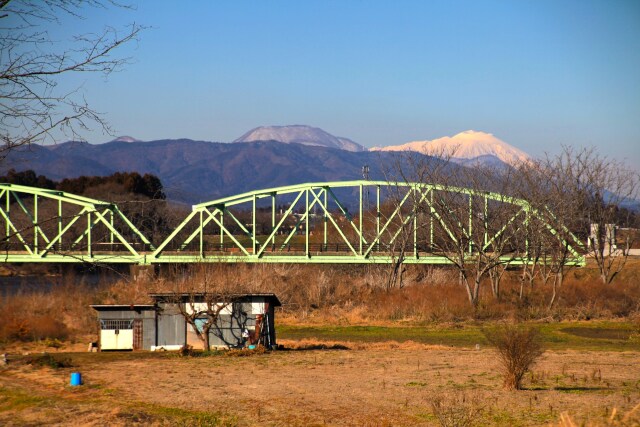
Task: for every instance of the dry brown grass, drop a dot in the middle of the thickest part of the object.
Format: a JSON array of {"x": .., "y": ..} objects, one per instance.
[
  {"x": 373, "y": 386},
  {"x": 457, "y": 410},
  {"x": 340, "y": 294},
  {"x": 314, "y": 344},
  {"x": 38, "y": 315},
  {"x": 616, "y": 419}
]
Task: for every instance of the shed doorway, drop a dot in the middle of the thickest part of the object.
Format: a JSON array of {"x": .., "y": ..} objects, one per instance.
[{"x": 116, "y": 334}]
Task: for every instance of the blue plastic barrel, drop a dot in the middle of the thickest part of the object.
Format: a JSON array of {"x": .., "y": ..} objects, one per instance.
[{"x": 76, "y": 378}]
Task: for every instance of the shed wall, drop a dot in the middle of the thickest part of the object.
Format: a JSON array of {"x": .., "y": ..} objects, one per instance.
[
  {"x": 148, "y": 333},
  {"x": 148, "y": 325},
  {"x": 171, "y": 326},
  {"x": 234, "y": 320}
]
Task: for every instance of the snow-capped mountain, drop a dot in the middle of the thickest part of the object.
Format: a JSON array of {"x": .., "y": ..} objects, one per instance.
[
  {"x": 126, "y": 138},
  {"x": 300, "y": 134},
  {"x": 465, "y": 147}
]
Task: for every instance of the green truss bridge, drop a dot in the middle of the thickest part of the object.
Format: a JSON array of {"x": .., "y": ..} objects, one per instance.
[{"x": 329, "y": 222}]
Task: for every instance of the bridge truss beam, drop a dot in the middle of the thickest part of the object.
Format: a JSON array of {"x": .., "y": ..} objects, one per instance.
[
  {"x": 42, "y": 225},
  {"x": 315, "y": 225},
  {"x": 306, "y": 223}
]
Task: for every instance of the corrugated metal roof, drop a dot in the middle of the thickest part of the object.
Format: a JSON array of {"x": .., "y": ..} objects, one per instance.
[
  {"x": 111, "y": 307},
  {"x": 198, "y": 295}
]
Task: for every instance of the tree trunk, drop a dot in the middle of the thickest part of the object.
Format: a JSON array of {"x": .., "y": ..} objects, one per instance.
[
  {"x": 476, "y": 292},
  {"x": 401, "y": 277},
  {"x": 495, "y": 287},
  {"x": 495, "y": 277},
  {"x": 560, "y": 278},
  {"x": 206, "y": 339},
  {"x": 531, "y": 276},
  {"x": 522, "y": 279},
  {"x": 557, "y": 283},
  {"x": 554, "y": 292},
  {"x": 396, "y": 272},
  {"x": 465, "y": 282}
]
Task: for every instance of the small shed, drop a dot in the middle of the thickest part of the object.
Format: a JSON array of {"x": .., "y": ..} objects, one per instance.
[
  {"x": 126, "y": 327},
  {"x": 241, "y": 320}
]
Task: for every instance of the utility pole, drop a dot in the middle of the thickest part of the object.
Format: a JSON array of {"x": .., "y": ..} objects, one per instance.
[{"x": 365, "y": 176}]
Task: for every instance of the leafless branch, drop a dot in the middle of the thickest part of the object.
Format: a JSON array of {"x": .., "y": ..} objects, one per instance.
[{"x": 32, "y": 63}]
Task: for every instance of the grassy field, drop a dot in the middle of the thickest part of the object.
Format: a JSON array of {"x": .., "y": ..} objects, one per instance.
[
  {"x": 348, "y": 375},
  {"x": 597, "y": 336}
]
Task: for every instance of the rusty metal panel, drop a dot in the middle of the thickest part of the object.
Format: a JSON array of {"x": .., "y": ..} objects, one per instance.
[{"x": 137, "y": 334}]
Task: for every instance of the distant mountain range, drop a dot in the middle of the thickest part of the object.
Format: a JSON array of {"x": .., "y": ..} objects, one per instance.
[
  {"x": 197, "y": 171},
  {"x": 126, "y": 138},
  {"x": 299, "y": 134},
  {"x": 466, "y": 148}
]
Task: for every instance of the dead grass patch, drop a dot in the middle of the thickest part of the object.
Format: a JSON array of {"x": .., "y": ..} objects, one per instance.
[{"x": 314, "y": 344}]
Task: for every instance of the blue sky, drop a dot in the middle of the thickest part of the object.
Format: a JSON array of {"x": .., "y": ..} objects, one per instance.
[{"x": 536, "y": 74}]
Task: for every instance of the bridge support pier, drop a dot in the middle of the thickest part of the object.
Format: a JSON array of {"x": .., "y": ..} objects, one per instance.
[{"x": 142, "y": 272}]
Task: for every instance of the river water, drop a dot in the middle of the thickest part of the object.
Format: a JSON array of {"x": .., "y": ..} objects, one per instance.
[{"x": 12, "y": 285}]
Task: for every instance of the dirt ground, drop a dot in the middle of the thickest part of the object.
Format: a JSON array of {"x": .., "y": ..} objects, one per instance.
[{"x": 375, "y": 384}]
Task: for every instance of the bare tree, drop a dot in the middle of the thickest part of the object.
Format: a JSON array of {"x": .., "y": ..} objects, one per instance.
[
  {"x": 468, "y": 217},
  {"x": 202, "y": 312},
  {"x": 547, "y": 235},
  {"x": 32, "y": 105},
  {"x": 402, "y": 208},
  {"x": 591, "y": 189},
  {"x": 398, "y": 237},
  {"x": 206, "y": 298},
  {"x": 483, "y": 220}
]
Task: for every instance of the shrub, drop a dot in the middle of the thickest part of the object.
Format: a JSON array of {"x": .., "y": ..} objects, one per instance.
[
  {"x": 186, "y": 351},
  {"x": 50, "y": 361},
  {"x": 456, "y": 411},
  {"x": 518, "y": 348},
  {"x": 18, "y": 326},
  {"x": 244, "y": 352}
]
